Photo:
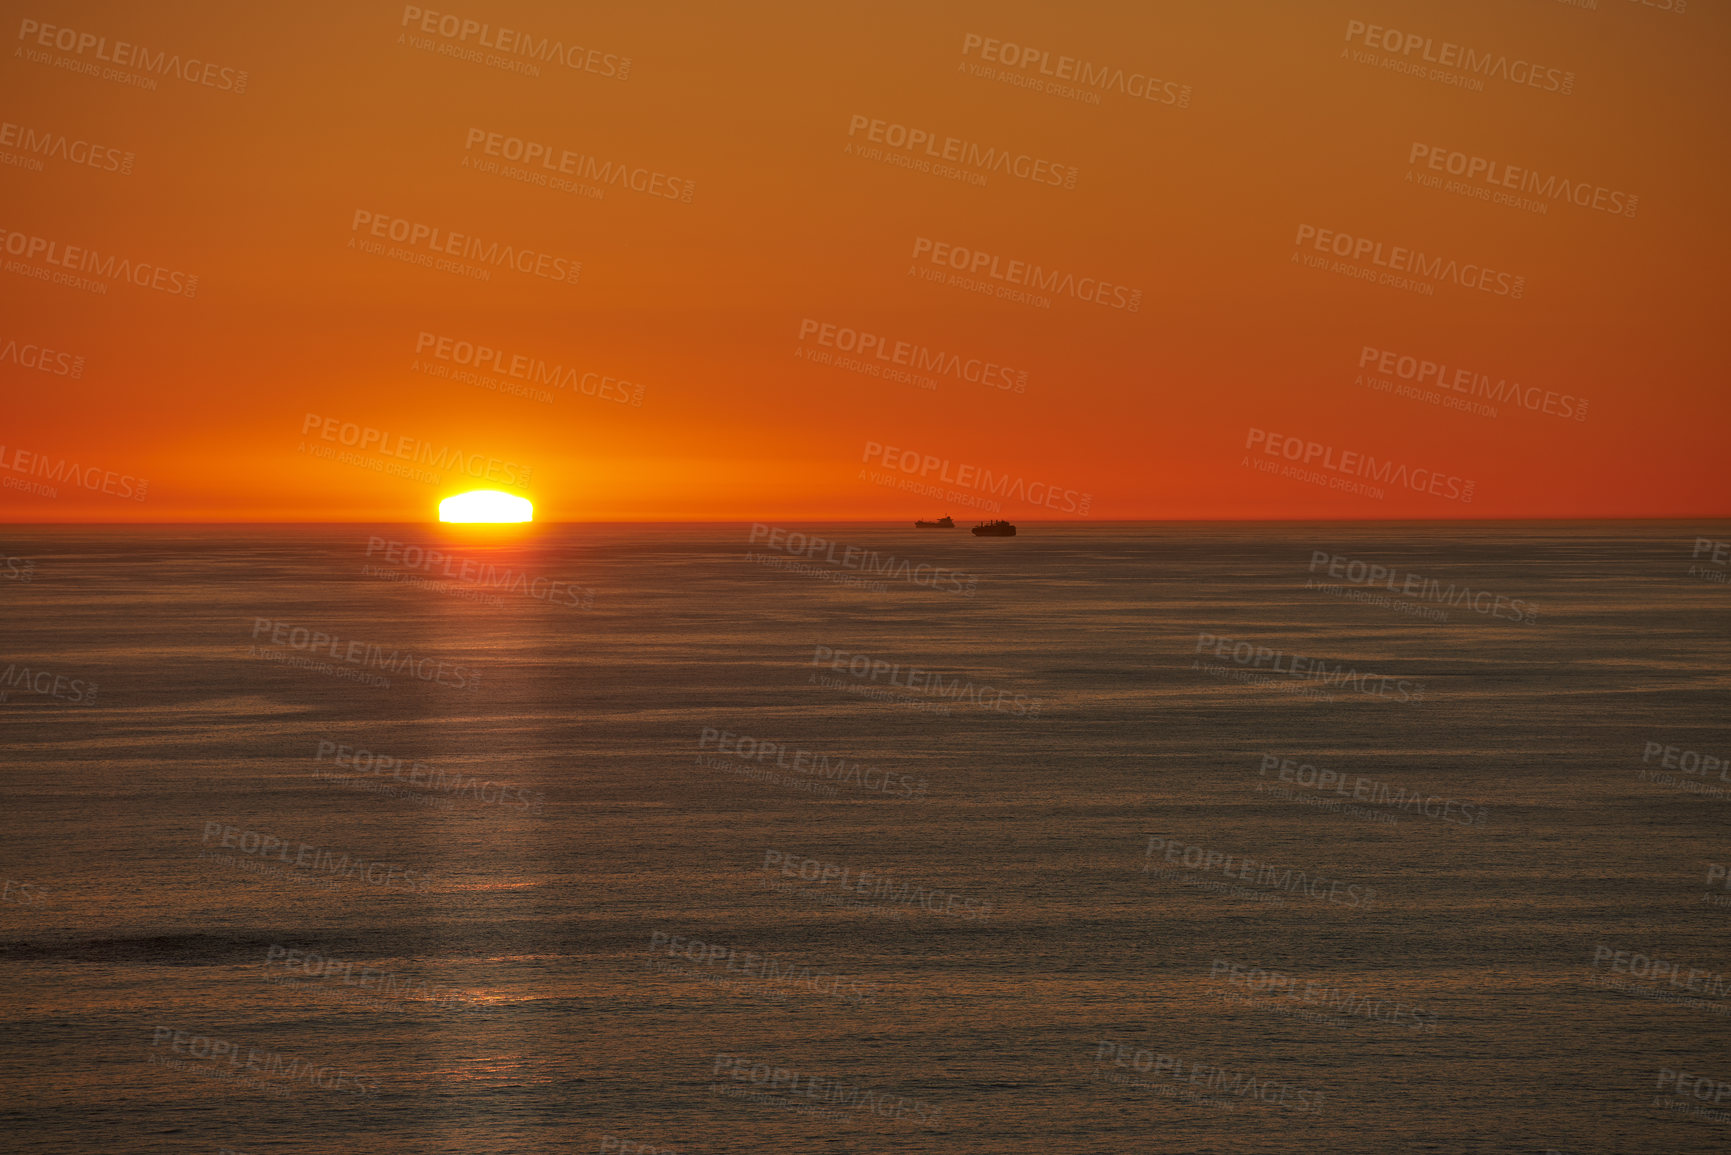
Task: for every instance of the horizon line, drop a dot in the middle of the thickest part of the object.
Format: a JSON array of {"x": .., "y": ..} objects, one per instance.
[{"x": 885, "y": 521}]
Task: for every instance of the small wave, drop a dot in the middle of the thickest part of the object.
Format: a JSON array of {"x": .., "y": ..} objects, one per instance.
[{"x": 157, "y": 949}]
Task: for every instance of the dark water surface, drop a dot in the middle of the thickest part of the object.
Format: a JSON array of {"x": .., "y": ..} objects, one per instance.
[{"x": 975, "y": 959}]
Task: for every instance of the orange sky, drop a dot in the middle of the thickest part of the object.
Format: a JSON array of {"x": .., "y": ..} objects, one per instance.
[{"x": 1193, "y": 158}]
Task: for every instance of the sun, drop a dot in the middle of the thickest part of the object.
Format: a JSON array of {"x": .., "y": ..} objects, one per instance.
[{"x": 486, "y": 505}]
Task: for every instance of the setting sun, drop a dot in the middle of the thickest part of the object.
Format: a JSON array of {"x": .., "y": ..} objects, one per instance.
[{"x": 486, "y": 505}]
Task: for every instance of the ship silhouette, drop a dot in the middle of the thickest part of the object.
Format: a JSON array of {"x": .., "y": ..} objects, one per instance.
[
  {"x": 995, "y": 529},
  {"x": 944, "y": 522}
]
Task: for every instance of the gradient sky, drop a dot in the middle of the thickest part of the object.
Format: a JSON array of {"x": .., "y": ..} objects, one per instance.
[{"x": 1277, "y": 121}]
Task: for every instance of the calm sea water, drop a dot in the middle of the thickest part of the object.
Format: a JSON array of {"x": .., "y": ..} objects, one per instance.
[{"x": 1028, "y": 899}]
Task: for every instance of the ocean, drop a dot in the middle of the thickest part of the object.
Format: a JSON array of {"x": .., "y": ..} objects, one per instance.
[{"x": 857, "y": 838}]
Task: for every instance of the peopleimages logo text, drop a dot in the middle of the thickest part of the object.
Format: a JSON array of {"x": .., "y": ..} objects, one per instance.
[
  {"x": 471, "y": 248},
  {"x": 269, "y": 1068},
  {"x": 925, "y": 141},
  {"x": 515, "y": 42},
  {"x": 1353, "y": 463},
  {"x": 831, "y": 1093},
  {"x": 360, "y": 762},
  {"x": 931, "y": 682},
  {"x": 1354, "y": 571},
  {"x": 1254, "y": 657},
  {"x": 479, "y": 575},
  {"x": 1502, "y": 175},
  {"x": 876, "y": 886},
  {"x": 1080, "y": 72},
  {"x": 1362, "y": 789},
  {"x": 913, "y": 463},
  {"x": 1451, "y": 55},
  {"x": 1423, "y": 370},
  {"x": 813, "y": 764},
  {"x": 867, "y": 561},
  {"x": 914, "y": 355},
  {"x": 1191, "y": 1074},
  {"x": 1257, "y": 871},
  {"x": 42, "y": 359},
  {"x": 161, "y": 63},
  {"x": 366, "y": 654},
  {"x": 526, "y": 367},
  {"x": 583, "y": 166},
  {"x": 47, "y": 683},
  {"x": 977, "y": 262},
  {"x": 83, "y": 259},
  {"x": 417, "y": 450},
  {"x": 92, "y": 477},
  {"x": 319, "y": 860},
  {"x": 57, "y": 145},
  {"x": 1402, "y": 259}
]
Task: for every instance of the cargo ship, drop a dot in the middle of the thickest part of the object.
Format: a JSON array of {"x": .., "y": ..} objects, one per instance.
[
  {"x": 995, "y": 529},
  {"x": 944, "y": 522}
]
